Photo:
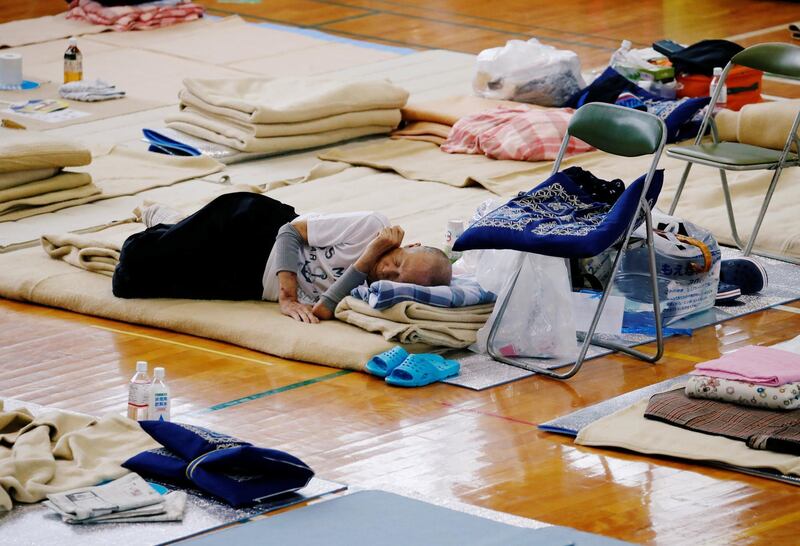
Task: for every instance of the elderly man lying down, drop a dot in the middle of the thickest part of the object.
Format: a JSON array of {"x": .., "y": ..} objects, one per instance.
[{"x": 244, "y": 246}]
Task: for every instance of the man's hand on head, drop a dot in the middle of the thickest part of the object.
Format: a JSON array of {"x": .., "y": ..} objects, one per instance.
[
  {"x": 386, "y": 240},
  {"x": 298, "y": 311}
]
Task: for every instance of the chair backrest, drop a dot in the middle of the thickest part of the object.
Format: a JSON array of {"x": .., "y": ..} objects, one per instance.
[
  {"x": 618, "y": 130},
  {"x": 775, "y": 58}
]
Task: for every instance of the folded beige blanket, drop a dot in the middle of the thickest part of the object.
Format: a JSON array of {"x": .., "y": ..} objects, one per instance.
[
  {"x": 96, "y": 252},
  {"x": 628, "y": 429},
  {"x": 449, "y": 110},
  {"x": 424, "y": 131},
  {"x": 58, "y": 450},
  {"x": 412, "y": 322},
  {"x": 44, "y": 29},
  {"x": 275, "y": 145},
  {"x": 289, "y": 100},
  {"x": 37, "y": 204},
  {"x": 241, "y": 130},
  {"x": 64, "y": 181},
  {"x": 765, "y": 124},
  {"x": 29, "y": 150},
  {"x": 10, "y": 180}
]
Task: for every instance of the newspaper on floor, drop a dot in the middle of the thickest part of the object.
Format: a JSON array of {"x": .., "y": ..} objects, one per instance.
[{"x": 127, "y": 499}]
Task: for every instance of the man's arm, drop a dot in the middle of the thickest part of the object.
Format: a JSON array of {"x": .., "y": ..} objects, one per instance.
[
  {"x": 388, "y": 239},
  {"x": 287, "y": 247}
]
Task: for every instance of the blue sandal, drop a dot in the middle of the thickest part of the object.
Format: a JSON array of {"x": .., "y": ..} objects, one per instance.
[
  {"x": 422, "y": 369},
  {"x": 383, "y": 364}
]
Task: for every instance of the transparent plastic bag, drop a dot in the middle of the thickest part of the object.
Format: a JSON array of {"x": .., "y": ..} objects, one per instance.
[
  {"x": 684, "y": 287},
  {"x": 528, "y": 72},
  {"x": 538, "y": 321}
]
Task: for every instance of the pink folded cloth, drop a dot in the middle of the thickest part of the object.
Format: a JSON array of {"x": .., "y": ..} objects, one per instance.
[
  {"x": 139, "y": 17},
  {"x": 516, "y": 133},
  {"x": 754, "y": 364}
]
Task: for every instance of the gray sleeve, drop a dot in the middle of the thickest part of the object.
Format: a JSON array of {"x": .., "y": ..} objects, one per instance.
[
  {"x": 287, "y": 248},
  {"x": 351, "y": 278}
]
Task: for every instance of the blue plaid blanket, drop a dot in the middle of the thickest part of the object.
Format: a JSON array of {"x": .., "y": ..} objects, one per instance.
[{"x": 463, "y": 291}]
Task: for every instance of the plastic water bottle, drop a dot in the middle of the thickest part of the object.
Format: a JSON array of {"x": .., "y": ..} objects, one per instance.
[
  {"x": 139, "y": 393},
  {"x": 73, "y": 62},
  {"x": 722, "y": 100},
  {"x": 159, "y": 397}
]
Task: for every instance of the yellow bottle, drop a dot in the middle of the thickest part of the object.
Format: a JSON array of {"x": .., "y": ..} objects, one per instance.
[{"x": 73, "y": 62}]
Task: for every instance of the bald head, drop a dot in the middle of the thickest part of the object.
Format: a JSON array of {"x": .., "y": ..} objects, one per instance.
[{"x": 423, "y": 265}]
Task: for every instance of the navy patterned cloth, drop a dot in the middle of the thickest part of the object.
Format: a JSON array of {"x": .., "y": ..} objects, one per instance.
[{"x": 558, "y": 218}]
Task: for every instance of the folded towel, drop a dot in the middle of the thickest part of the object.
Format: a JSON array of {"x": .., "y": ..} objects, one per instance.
[
  {"x": 412, "y": 322},
  {"x": 462, "y": 292},
  {"x": 785, "y": 397},
  {"x": 275, "y": 145},
  {"x": 765, "y": 124},
  {"x": 30, "y": 150},
  {"x": 141, "y": 17},
  {"x": 755, "y": 364},
  {"x": 64, "y": 181},
  {"x": 235, "y": 128},
  {"x": 90, "y": 91},
  {"x": 235, "y": 471},
  {"x": 12, "y": 179},
  {"x": 289, "y": 100},
  {"x": 425, "y": 131}
]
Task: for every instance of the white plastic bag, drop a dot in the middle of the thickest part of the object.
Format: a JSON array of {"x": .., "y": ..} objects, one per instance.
[
  {"x": 538, "y": 320},
  {"x": 528, "y": 72}
]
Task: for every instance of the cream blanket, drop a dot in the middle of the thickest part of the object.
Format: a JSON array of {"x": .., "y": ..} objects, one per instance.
[
  {"x": 64, "y": 181},
  {"x": 765, "y": 124},
  {"x": 57, "y": 451},
  {"x": 79, "y": 189},
  {"x": 10, "y": 180},
  {"x": 275, "y": 145},
  {"x": 96, "y": 252},
  {"x": 44, "y": 29},
  {"x": 29, "y": 150},
  {"x": 424, "y": 131},
  {"x": 412, "y": 322},
  {"x": 289, "y": 100},
  {"x": 628, "y": 429},
  {"x": 238, "y": 129}
]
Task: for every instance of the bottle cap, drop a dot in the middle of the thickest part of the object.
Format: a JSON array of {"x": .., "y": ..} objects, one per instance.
[
  {"x": 626, "y": 44},
  {"x": 158, "y": 373},
  {"x": 717, "y": 71},
  {"x": 141, "y": 366},
  {"x": 73, "y": 41}
]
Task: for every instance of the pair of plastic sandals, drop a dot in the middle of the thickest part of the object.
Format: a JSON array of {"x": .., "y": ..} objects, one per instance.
[{"x": 406, "y": 370}]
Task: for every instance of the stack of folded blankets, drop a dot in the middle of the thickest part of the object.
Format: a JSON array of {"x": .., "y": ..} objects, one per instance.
[
  {"x": 31, "y": 177},
  {"x": 142, "y": 16},
  {"x": 752, "y": 395},
  {"x": 274, "y": 115},
  {"x": 446, "y": 316}
]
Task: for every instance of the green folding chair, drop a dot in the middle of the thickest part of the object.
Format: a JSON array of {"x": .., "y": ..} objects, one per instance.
[
  {"x": 623, "y": 132},
  {"x": 778, "y": 59}
]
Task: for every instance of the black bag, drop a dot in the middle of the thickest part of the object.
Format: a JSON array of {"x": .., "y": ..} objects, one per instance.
[{"x": 704, "y": 56}]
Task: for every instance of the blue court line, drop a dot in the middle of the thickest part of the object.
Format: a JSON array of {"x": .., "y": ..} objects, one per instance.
[{"x": 276, "y": 390}]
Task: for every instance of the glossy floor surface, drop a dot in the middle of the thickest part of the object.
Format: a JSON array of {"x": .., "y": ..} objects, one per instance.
[{"x": 482, "y": 448}]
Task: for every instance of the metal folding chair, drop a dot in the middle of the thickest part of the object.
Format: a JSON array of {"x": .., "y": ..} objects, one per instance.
[
  {"x": 624, "y": 132},
  {"x": 779, "y": 59}
]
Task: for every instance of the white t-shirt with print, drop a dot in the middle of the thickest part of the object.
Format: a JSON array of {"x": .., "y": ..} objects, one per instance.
[{"x": 335, "y": 242}]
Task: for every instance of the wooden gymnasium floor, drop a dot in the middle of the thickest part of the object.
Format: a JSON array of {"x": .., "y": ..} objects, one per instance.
[{"x": 481, "y": 448}]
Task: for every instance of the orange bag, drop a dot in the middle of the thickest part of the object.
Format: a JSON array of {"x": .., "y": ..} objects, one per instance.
[{"x": 744, "y": 86}]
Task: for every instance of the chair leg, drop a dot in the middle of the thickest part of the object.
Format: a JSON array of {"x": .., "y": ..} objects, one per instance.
[
  {"x": 679, "y": 191},
  {"x": 590, "y": 338},
  {"x": 767, "y": 198},
  {"x": 723, "y": 176}
]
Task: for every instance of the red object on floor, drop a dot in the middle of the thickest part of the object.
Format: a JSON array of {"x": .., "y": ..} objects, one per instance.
[{"x": 744, "y": 86}]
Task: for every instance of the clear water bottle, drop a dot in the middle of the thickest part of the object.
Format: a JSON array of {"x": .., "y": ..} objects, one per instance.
[
  {"x": 159, "y": 397},
  {"x": 139, "y": 393},
  {"x": 722, "y": 100},
  {"x": 73, "y": 62}
]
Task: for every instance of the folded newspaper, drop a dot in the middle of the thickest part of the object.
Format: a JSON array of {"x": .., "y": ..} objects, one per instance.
[{"x": 129, "y": 499}]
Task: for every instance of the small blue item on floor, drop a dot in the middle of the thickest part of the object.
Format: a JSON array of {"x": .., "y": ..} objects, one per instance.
[
  {"x": 24, "y": 86},
  {"x": 382, "y": 365},
  {"x": 746, "y": 273},
  {"x": 422, "y": 369},
  {"x": 163, "y": 144},
  {"x": 727, "y": 293}
]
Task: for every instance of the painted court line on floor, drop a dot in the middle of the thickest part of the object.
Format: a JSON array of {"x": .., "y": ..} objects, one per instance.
[
  {"x": 788, "y": 308},
  {"x": 186, "y": 345},
  {"x": 276, "y": 390}
]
